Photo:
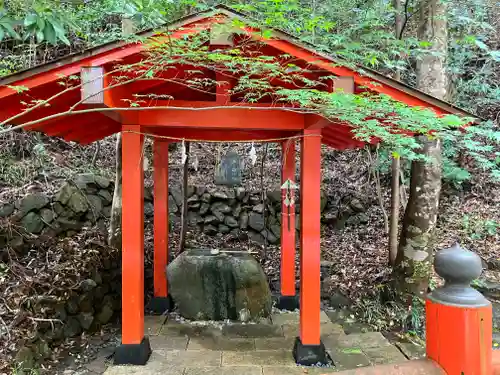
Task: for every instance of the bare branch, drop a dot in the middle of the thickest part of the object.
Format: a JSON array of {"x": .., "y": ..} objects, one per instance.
[{"x": 55, "y": 96}]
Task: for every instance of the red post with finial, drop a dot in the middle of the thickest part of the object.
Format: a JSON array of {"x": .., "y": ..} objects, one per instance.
[{"x": 458, "y": 317}]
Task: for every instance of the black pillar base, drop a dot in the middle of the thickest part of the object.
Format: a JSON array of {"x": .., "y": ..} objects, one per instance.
[
  {"x": 310, "y": 355},
  {"x": 288, "y": 303},
  {"x": 160, "y": 305},
  {"x": 133, "y": 354}
]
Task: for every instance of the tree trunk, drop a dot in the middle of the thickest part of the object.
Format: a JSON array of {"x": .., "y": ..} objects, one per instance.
[
  {"x": 415, "y": 252},
  {"x": 184, "y": 214},
  {"x": 115, "y": 225},
  {"x": 433, "y": 28},
  {"x": 395, "y": 203},
  {"x": 396, "y": 165}
]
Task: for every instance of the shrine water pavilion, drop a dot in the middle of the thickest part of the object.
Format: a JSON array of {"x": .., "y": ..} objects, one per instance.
[{"x": 178, "y": 112}]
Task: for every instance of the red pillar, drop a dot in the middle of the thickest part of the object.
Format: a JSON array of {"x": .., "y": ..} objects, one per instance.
[
  {"x": 287, "y": 222},
  {"x": 160, "y": 164},
  {"x": 459, "y": 318},
  {"x": 459, "y": 338},
  {"x": 132, "y": 236},
  {"x": 310, "y": 183}
]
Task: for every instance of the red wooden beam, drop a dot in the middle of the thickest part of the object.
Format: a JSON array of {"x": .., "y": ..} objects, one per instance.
[
  {"x": 201, "y": 135},
  {"x": 343, "y": 133},
  {"x": 74, "y": 133},
  {"x": 333, "y": 143},
  {"x": 114, "y": 96},
  {"x": 339, "y": 136},
  {"x": 67, "y": 124},
  {"x": 313, "y": 122},
  {"x": 217, "y": 118},
  {"x": 88, "y": 129},
  {"x": 14, "y": 108},
  {"x": 103, "y": 132},
  {"x": 205, "y": 104}
]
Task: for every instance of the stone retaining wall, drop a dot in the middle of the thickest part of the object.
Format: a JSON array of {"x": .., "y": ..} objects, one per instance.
[
  {"x": 63, "y": 312},
  {"x": 83, "y": 202},
  {"x": 75, "y": 283},
  {"x": 236, "y": 213},
  {"x": 243, "y": 215}
]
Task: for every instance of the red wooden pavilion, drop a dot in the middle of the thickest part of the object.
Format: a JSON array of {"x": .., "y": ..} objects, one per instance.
[{"x": 219, "y": 117}]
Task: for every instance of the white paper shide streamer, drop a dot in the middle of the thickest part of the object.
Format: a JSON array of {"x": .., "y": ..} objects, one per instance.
[
  {"x": 183, "y": 152},
  {"x": 253, "y": 155},
  {"x": 196, "y": 163}
]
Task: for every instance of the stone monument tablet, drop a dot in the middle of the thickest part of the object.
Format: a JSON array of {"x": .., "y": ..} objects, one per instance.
[{"x": 228, "y": 172}]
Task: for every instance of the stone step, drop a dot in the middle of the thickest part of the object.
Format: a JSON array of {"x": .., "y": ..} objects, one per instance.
[
  {"x": 252, "y": 330},
  {"x": 221, "y": 343},
  {"x": 258, "y": 358},
  {"x": 326, "y": 329},
  {"x": 181, "y": 348},
  {"x": 361, "y": 349},
  {"x": 175, "y": 328},
  {"x": 294, "y": 318},
  {"x": 358, "y": 340},
  {"x": 153, "y": 324},
  {"x": 290, "y": 323},
  {"x": 343, "y": 317},
  {"x": 411, "y": 350}
]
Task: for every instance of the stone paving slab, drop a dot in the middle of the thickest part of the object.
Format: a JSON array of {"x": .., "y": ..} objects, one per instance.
[
  {"x": 259, "y": 358},
  {"x": 169, "y": 343},
  {"x": 347, "y": 359},
  {"x": 252, "y": 330},
  {"x": 357, "y": 340},
  {"x": 297, "y": 370},
  {"x": 155, "y": 366},
  {"x": 153, "y": 325},
  {"x": 411, "y": 351},
  {"x": 274, "y": 343},
  {"x": 97, "y": 366},
  {"x": 326, "y": 329},
  {"x": 285, "y": 318},
  {"x": 385, "y": 355},
  {"x": 229, "y": 370},
  {"x": 221, "y": 343},
  {"x": 191, "y": 358},
  {"x": 252, "y": 349},
  {"x": 174, "y": 328},
  {"x": 294, "y": 318}
]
